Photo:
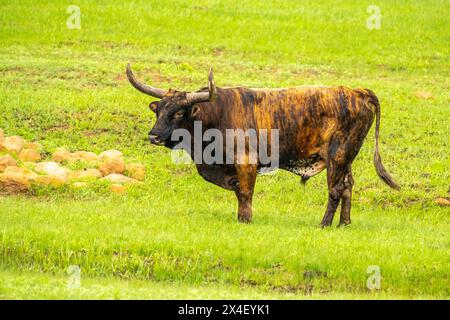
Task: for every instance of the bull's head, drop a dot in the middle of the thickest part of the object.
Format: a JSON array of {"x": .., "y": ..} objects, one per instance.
[{"x": 176, "y": 109}]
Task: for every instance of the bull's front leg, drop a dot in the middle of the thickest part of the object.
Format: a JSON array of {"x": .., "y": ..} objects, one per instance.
[{"x": 246, "y": 175}]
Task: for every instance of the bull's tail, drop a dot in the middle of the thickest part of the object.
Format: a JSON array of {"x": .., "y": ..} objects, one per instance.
[{"x": 381, "y": 171}]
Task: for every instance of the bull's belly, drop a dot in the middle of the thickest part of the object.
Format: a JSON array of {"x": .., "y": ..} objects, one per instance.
[{"x": 306, "y": 168}]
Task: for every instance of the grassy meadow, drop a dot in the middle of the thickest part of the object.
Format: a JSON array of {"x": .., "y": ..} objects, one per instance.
[{"x": 177, "y": 236}]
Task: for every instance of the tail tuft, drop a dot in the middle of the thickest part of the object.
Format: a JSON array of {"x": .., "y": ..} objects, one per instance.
[{"x": 381, "y": 171}]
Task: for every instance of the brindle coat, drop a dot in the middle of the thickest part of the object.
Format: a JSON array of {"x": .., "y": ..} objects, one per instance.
[{"x": 319, "y": 127}]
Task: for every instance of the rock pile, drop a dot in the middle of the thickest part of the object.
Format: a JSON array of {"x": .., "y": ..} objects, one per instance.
[{"x": 22, "y": 166}]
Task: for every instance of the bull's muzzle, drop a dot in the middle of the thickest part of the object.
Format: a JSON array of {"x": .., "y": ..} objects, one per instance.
[{"x": 155, "y": 139}]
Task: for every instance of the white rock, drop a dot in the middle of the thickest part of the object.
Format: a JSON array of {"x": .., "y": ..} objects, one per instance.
[
  {"x": 49, "y": 167},
  {"x": 109, "y": 154}
]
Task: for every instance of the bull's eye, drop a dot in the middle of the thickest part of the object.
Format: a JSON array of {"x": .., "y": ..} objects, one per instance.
[{"x": 179, "y": 114}]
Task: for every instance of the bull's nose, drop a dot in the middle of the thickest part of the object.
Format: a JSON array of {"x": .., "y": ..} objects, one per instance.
[{"x": 154, "y": 139}]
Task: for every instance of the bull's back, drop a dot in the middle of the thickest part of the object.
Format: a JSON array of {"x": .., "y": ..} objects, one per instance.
[{"x": 306, "y": 117}]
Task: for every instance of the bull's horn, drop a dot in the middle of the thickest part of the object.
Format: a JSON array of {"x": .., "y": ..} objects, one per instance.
[
  {"x": 196, "y": 97},
  {"x": 154, "y": 92}
]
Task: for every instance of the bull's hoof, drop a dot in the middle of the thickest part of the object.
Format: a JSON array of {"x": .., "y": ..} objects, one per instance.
[
  {"x": 324, "y": 225},
  {"x": 245, "y": 219},
  {"x": 344, "y": 224}
]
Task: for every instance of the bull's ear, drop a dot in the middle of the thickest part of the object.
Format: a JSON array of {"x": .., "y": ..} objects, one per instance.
[
  {"x": 153, "y": 105},
  {"x": 195, "y": 111}
]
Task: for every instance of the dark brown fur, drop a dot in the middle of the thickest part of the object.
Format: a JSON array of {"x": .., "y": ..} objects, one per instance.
[{"x": 319, "y": 127}]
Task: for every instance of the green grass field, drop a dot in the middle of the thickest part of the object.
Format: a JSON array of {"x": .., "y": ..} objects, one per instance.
[{"x": 177, "y": 236}]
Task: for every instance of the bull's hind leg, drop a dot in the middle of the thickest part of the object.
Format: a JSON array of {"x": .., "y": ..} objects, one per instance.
[
  {"x": 346, "y": 198},
  {"x": 339, "y": 158},
  {"x": 335, "y": 182}
]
